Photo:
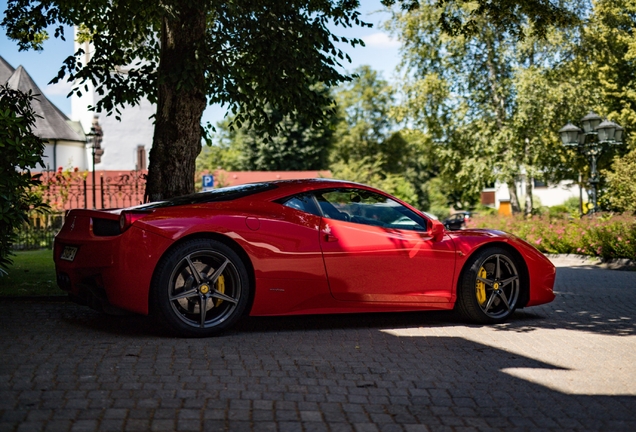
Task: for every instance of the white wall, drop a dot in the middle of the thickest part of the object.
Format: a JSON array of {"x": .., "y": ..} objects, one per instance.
[
  {"x": 121, "y": 138},
  {"x": 70, "y": 155},
  {"x": 548, "y": 196}
]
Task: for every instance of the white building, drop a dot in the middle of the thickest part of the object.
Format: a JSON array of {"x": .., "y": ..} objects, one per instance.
[
  {"x": 65, "y": 141},
  {"x": 547, "y": 194},
  {"x": 126, "y": 143}
]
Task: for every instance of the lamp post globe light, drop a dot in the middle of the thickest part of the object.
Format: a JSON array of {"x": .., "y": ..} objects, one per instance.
[{"x": 594, "y": 136}]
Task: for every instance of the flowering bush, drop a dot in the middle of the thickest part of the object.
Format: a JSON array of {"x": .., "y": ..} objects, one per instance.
[
  {"x": 606, "y": 236},
  {"x": 57, "y": 186}
]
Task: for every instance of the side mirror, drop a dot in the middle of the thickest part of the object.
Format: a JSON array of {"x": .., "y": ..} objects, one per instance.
[{"x": 437, "y": 230}]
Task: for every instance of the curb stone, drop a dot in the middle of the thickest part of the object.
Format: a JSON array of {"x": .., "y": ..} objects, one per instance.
[{"x": 575, "y": 260}]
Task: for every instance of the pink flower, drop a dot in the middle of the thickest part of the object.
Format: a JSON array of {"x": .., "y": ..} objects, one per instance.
[
  {"x": 538, "y": 241},
  {"x": 619, "y": 239},
  {"x": 578, "y": 249}
]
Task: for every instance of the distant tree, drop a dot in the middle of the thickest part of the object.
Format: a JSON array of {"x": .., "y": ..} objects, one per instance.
[
  {"x": 459, "y": 91},
  {"x": 20, "y": 151},
  {"x": 605, "y": 59},
  {"x": 369, "y": 146},
  {"x": 493, "y": 100},
  {"x": 296, "y": 145},
  {"x": 515, "y": 17},
  {"x": 182, "y": 54},
  {"x": 621, "y": 182}
]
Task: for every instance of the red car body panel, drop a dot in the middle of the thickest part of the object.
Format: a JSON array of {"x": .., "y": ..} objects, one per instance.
[
  {"x": 417, "y": 268},
  {"x": 302, "y": 263}
]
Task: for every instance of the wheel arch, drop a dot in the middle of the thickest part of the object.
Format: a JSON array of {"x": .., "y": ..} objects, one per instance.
[
  {"x": 220, "y": 238},
  {"x": 524, "y": 294}
]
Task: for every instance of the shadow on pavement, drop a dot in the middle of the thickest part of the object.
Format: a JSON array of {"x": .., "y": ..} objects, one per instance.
[{"x": 590, "y": 300}]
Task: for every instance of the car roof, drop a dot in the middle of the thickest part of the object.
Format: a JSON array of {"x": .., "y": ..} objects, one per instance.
[{"x": 261, "y": 190}]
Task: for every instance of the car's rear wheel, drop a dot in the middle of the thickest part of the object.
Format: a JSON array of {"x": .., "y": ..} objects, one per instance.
[
  {"x": 489, "y": 286},
  {"x": 201, "y": 288}
]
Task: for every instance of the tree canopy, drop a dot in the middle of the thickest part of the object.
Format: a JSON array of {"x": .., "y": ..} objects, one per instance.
[
  {"x": 515, "y": 17},
  {"x": 297, "y": 146},
  {"x": 493, "y": 102},
  {"x": 182, "y": 54}
]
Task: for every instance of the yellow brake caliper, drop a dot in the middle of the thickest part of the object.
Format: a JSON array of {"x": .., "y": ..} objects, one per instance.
[
  {"x": 220, "y": 287},
  {"x": 481, "y": 287}
]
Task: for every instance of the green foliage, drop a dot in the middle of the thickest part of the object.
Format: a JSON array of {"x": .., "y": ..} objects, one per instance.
[
  {"x": 568, "y": 210},
  {"x": 621, "y": 191},
  {"x": 20, "y": 150},
  {"x": 369, "y": 171},
  {"x": 247, "y": 57},
  {"x": 437, "y": 202},
  {"x": 297, "y": 145},
  {"x": 368, "y": 148},
  {"x": 493, "y": 102},
  {"x": 465, "y": 16},
  {"x": 222, "y": 154},
  {"x": 456, "y": 91},
  {"x": 608, "y": 236},
  {"x": 607, "y": 56}
]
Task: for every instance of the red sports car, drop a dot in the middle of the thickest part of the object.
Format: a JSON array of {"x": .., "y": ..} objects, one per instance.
[{"x": 200, "y": 262}]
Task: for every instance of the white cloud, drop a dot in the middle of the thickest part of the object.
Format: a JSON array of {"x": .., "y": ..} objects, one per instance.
[
  {"x": 62, "y": 88},
  {"x": 381, "y": 40}
]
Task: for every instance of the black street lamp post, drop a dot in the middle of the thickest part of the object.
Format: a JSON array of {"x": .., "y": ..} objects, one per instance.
[
  {"x": 94, "y": 139},
  {"x": 591, "y": 141}
]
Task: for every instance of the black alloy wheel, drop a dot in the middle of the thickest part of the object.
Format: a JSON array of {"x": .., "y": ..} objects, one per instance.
[
  {"x": 201, "y": 288},
  {"x": 489, "y": 287}
]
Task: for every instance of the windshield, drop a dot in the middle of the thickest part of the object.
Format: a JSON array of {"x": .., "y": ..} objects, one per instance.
[{"x": 223, "y": 194}]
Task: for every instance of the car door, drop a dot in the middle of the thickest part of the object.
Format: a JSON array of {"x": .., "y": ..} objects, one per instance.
[{"x": 378, "y": 250}]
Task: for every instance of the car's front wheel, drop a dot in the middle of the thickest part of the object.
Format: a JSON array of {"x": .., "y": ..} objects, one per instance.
[
  {"x": 489, "y": 286},
  {"x": 200, "y": 288}
]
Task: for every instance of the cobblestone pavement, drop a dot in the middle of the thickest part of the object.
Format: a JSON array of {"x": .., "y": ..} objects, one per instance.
[{"x": 568, "y": 365}]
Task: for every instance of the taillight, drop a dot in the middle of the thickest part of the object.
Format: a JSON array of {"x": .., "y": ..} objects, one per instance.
[{"x": 126, "y": 219}]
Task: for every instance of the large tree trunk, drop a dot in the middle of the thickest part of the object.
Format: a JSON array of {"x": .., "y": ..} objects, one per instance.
[{"x": 180, "y": 104}]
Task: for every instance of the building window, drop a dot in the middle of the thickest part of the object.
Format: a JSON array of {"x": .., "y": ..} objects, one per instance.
[
  {"x": 488, "y": 198},
  {"x": 539, "y": 183},
  {"x": 141, "y": 157}
]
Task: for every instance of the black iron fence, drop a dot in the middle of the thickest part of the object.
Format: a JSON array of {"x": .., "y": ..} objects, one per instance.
[
  {"x": 39, "y": 232},
  {"x": 66, "y": 190}
]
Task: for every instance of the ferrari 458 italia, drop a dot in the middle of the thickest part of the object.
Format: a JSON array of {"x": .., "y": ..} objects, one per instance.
[{"x": 200, "y": 262}]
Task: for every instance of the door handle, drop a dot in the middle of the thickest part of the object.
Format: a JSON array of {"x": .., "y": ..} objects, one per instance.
[{"x": 330, "y": 238}]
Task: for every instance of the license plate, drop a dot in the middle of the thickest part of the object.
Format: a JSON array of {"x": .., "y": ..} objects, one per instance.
[{"x": 68, "y": 253}]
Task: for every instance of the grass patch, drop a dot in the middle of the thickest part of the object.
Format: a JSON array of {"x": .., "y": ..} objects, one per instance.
[{"x": 32, "y": 274}]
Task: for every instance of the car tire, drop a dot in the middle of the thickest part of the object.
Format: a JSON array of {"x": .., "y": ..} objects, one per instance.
[
  {"x": 489, "y": 287},
  {"x": 200, "y": 288}
]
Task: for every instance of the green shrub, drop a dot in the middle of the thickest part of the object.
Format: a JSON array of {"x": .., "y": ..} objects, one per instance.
[{"x": 20, "y": 150}]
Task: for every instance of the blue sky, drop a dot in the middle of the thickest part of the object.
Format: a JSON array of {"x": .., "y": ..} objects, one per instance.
[{"x": 380, "y": 52}]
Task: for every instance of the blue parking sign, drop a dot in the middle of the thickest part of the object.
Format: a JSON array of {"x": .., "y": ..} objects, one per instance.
[{"x": 208, "y": 182}]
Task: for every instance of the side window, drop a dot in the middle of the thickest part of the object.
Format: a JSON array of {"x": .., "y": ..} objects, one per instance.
[
  {"x": 303, "y": 202},
  {"x": 368, "y": 208}
]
